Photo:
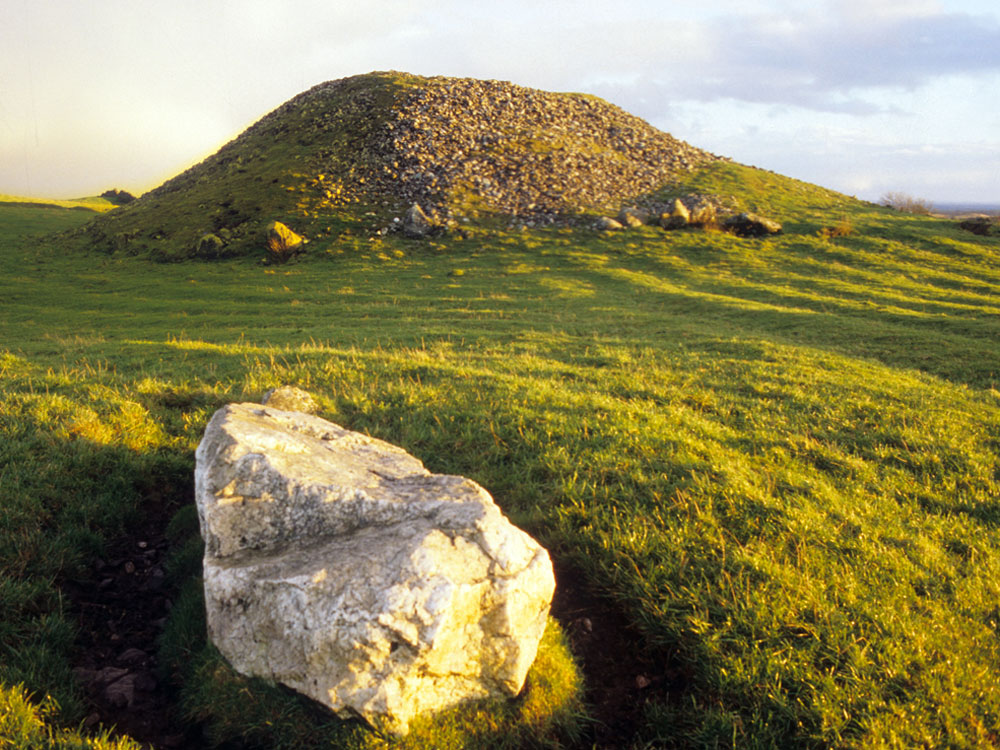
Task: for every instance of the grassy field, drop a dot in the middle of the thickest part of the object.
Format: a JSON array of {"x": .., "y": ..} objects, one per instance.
[{"x": 777, "y": 458}]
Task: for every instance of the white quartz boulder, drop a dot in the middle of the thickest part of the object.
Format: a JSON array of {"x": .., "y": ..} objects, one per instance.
[{"x": 337, "y": 565}]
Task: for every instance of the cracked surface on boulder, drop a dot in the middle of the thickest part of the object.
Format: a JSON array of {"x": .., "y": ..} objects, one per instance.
[{"x": 338, "y": 565}]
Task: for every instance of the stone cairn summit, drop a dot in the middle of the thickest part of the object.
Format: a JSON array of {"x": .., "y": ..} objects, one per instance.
[
  {"x": 521, "y": 151},
  {"x": 339, "y": 566}
]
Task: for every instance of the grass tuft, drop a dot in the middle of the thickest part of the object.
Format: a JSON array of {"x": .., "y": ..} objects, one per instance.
[
  {"x": 26, "y": 725},
  {"x": 843, "y": 228}
]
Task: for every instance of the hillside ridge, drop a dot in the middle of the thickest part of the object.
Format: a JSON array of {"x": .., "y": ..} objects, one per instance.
[{"x": 460, "y": 147}]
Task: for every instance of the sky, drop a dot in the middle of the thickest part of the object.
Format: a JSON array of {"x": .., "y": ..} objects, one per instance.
[{"x": 862, "y": 96}]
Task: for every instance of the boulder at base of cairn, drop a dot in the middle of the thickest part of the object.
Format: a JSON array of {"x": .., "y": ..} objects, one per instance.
[
  {"x": 703, "y": 214},
  {"x": 632, "y": 218},
  {"x": 981, "y": 225},
  {"x": 679, "y": 217},
  {"x": 282, "y": 241},
  {"x": 337, "y": 565},
  {"x": 209, "y": 246},
  {"x": 416, "y": 223},
  {"x": 607, "y": 224},
  {"x": 750, "y": 225}
]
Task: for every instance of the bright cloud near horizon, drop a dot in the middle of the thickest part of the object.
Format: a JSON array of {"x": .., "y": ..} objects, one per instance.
[{"x": 862, "y": 96}]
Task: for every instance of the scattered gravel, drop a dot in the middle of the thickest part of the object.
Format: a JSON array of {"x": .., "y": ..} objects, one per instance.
[{"x": 521, "y": 151}]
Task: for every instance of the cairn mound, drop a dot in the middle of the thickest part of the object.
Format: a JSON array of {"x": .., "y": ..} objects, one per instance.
[
  {"x": 361, "y": 150},
  {"x": 463, "y": 145}
]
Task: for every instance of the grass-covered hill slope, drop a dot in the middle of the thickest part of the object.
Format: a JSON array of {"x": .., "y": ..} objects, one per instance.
[
  {"x": 356, "y": 152},
  {"x": 766, "y": 468},
  {"x": 96, "y": 203}
]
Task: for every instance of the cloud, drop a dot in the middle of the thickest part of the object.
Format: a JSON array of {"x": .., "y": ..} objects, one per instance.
[
  {"x": 151, "y": 87},
  {"x": 837, "y": 60},
  {"x": 840, "y": 57},
  {"x": 856, "y": 160}
]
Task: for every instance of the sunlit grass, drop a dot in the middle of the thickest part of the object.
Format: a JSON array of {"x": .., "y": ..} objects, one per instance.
[
  {"x": 777, "y": 457},
  {"x": 25, "y": 725}
]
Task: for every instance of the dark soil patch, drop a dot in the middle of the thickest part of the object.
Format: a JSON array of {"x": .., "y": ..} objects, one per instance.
[
  {"x": 121, "y": 611},
  {"x": 621, "y": 673}
]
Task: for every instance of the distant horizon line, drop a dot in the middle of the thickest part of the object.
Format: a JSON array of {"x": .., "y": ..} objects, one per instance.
[
  {"x": 967, "y": 205},
  {"x": 946, "y": 205}
]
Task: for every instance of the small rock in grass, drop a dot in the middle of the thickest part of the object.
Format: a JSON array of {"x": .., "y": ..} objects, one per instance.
[
  {"x": 751, "y": 225},
  {"x": 121, "y": 692},
  {"x": 677, "y": 218},
  {"x": 632, "y": 217},
  {"x": 283, "y": 242},
  {"x": 132, "y": 656},
  {"x": 416, "y": 223},
  {"x": 981, "y": 225},
  {"x": 290, "y": 398},
  {"x": 209, "y": 247},
  {"x": 109, "y": 675}
]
